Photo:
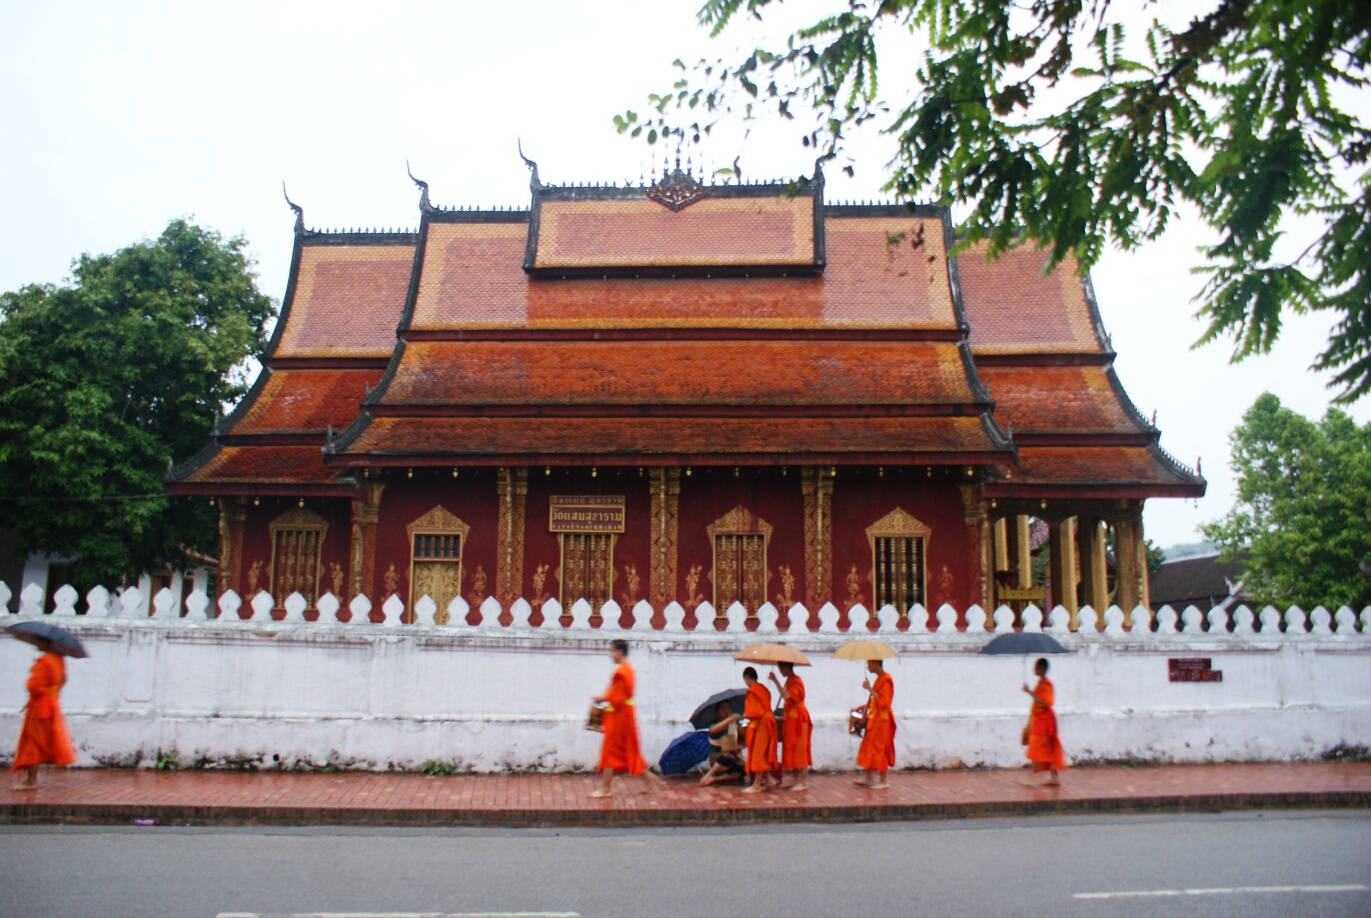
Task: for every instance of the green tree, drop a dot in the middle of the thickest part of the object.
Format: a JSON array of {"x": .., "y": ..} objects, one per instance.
[
  {"x": 1301, "y": 523},
  {"x": 106, "y": 379},
  {"x": 1046, "y": 123}
]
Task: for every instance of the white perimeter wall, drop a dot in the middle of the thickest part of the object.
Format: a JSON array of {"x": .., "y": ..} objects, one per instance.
[{"x": 374, "y": 696}]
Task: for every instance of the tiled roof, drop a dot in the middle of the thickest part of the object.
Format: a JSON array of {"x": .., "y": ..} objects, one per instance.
[
  {"x": 639, "y": 232},
  {"x": 1014, "y": 309},
  {"x": 474, "y": 437},
  {"x": 687, "y": 372},
  {"x": 875, "y": 279},
  {"x": 1071, "y": 399},
  {"x": 1202, "y": 580},
  {"x": 346, "y": 301},
  {"x": 263, "y": 465},
  {"x": 293, "y": 401},
  {"x": 1095, "y": 465}
]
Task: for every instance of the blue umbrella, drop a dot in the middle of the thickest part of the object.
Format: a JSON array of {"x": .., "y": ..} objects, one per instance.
[{"x": 685, "y": 752}]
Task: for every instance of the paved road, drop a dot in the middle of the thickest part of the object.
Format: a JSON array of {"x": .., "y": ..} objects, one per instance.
[{"x": 1278, "y": 864}]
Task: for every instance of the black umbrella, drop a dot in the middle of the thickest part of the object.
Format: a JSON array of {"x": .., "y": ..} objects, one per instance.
[
  {"x": 61, "y": 640},
  {"x": 704, "y": 716},
  {"x": 1019, "y": 643}
]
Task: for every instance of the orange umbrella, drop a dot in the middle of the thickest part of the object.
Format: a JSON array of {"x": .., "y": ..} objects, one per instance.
[{"x": 772, "y": 653}]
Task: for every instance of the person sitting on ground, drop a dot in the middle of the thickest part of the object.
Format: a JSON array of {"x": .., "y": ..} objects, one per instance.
[{"x": 725, "y": 760}]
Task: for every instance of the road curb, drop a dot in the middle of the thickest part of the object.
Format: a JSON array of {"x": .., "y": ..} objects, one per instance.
[{"x": 612, "y": 817}]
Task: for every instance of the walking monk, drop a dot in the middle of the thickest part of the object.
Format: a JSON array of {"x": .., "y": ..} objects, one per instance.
[
  {"x": 43, "y": 738},
  {"x": 761, "y": 733},
  {"x": 876, "y": 754},
  {"x": 1044, "y": 748},
  {"x": 619, "y": 750},
  {"x": 795, "y": 728}
]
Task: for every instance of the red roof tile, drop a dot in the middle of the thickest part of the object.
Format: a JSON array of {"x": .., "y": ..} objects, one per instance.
[
  {"x": 722, "y": 372},
  {"x": 1014, "y": 309},
  {"x": 1114, "y": 465},
  {"x": 468, "y": 437},
  {"x": 1073, "y": 399},
  {"x": 347, "y": 301},
  {"x": 472, "y": 279},
  {"x": 263, "y": 465},
  {"x": 295, "y": 401},
  {"x": 714, "y": 231}
]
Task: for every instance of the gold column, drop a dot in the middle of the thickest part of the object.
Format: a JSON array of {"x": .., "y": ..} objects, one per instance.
[
  {"x": 1023, "y": 551},
  {"x": 233, "y": 514},
  {"x": 1131, "y": 556},
  {"x": 817, "y": 486},
  {"x": 366, "y": 513},
  {"x": 1061, "y": 548},
  {"x": 1094, "y": 573},
  {"x": 980, "y": 547},
  {"x": 1001, "y": 544},
  {"x": 511, "y": 487},
  {"x": 666, "y": 500}
]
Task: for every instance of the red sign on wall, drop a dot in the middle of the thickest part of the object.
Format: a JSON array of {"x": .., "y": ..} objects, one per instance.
[{"x": 1193, "y": 669}]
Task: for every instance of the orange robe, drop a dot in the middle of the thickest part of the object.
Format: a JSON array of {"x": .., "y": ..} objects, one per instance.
[
  {"x": 1044, "y": 748},
  {"x": 43, "y": 738},
  {"x": 619, "y": 750},
  {"x": 761, "y": 729},
  {"x": 877, "y": 752},
  {"x": 796, "y": 727}
]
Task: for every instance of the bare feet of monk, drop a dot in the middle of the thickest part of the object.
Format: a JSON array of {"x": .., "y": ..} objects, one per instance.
[
  {"x": 706, "y": 781},
  {"x": 798, "y": 787},
  {"x": 861, "y": 784},
  {"x": 600, "y": 793},
  {"x": 23, "y": 785}
]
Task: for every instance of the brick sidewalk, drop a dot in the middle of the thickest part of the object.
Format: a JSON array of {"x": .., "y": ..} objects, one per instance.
[{"x": 236, "y": 798}]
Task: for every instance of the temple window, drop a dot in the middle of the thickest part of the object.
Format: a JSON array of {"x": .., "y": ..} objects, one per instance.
[
  {"x": 898, "y": 549},
  {"x": 297, "y": 544},
  {"x": 436, "y": 540},
  {"x": 740, "y": 574},
  {"x": 587, "y": 568}
]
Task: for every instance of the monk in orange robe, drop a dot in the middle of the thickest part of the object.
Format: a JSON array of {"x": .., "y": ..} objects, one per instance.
[
  {"x": 43, "y": 738},
  {"x": 796, "y": 728},
  {"x": 761, "y": 734},
  {"x": 1044, "y": 747},
  {"x": 876, "y": 755},
  {"x": 619, "y": 751}
]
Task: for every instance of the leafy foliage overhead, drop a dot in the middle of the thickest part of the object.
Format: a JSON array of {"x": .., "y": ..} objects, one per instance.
[
  {"x": 1048, "y": 122},
  {"x": 1301, "y": 523},
  {"x": 107, "y": 379}
]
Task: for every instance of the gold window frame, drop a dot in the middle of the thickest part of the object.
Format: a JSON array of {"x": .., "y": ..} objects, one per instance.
[
  {"x": 562, "y": 598},
  {"x": 438, "y": 521},
  {"x": 899, "y": 524},
  {"x": 297, "y": 519},
  {"x": 739, "y": 521}
]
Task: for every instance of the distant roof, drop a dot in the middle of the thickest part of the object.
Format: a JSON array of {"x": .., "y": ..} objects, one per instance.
[{"x": 1199, "y": 580}]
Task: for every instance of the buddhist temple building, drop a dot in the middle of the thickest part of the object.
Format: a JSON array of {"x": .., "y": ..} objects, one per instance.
[{"x": 688, "y": 392}]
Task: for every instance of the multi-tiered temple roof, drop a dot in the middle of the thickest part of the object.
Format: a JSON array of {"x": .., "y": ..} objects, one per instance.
[{"x": 684, "y": 324}]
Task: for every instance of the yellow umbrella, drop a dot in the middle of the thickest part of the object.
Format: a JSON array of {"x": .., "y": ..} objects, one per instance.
[
  {"x": 772, "y": 653},
  {"x": 865, "y": 650}
]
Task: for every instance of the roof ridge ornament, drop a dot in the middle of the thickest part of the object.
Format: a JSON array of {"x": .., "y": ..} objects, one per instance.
[
  {"x": 299, "y": 211},
  {"x": 677, "y": 190},
  {"x": 424, "y": 205},
  {"x": 534, "y": 183}
]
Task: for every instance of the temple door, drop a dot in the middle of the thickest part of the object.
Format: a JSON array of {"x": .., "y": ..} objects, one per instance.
[
  {"x": 740, "y": 571},
  {"x": 587, "y": 568}
]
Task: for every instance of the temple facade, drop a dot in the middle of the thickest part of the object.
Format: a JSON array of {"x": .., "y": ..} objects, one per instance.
[{"x": 683, "y": 392}]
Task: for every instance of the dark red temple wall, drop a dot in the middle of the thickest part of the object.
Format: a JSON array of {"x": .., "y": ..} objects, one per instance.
[
  {"x": 257, "y": 543},
  {"x": 863, "y": 496},
  {"x": 471, "y": 497},
  {"x": 775, "y": 497}
]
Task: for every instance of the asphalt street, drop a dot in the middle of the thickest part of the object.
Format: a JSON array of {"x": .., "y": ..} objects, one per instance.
[{"x": 1252, "y": 864}]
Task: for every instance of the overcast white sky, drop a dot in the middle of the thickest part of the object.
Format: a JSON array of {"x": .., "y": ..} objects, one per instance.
[{"x": 118, "y": 117}]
